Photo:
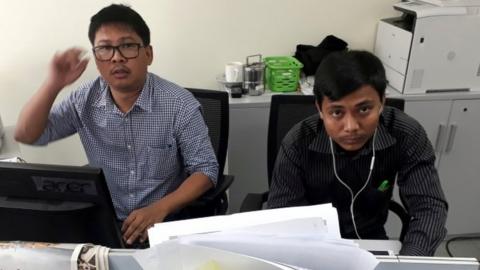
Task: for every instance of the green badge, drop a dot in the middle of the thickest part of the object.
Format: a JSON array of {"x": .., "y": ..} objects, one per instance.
[{"x": 385, "y": 185}]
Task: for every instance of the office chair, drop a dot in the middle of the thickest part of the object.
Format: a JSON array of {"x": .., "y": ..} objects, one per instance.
[
  {"x": 285, "y": 112},
  {"x": 215, "y": 111}
]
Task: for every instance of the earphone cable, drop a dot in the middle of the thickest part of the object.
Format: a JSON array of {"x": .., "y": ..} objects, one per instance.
[{"x": 354, "y": 197}]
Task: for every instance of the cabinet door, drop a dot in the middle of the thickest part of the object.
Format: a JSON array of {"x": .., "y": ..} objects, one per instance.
[
  {"x": 433, "y": 116},
  {"x": 247, "y": 152},
  {"x": 459, "y": 167}
]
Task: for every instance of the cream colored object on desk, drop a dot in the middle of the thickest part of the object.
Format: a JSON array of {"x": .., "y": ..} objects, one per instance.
[
  {"x": 234, "y": 72},
  {"x": 8, "y": 146},
  {"x": 2, "y": 134}
]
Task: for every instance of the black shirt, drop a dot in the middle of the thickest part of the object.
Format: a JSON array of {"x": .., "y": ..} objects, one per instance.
[{"x": 303, "y": 175}]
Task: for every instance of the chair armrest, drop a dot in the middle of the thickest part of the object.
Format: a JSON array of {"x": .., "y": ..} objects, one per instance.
[
  {"x": 224, "y": 182},
  {"x": 402, "y": 214},
  {"x": 254, "y": 201}
]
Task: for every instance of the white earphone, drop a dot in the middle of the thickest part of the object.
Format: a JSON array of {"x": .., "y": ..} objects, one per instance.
[{"x": 354, "y": 197}]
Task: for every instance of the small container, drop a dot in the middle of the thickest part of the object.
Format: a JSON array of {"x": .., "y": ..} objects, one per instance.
[
  {"x": 282, "y": 73},
  {"x": 234, "y": 88},
  {"x": 236, "y": 91},
  {"x": 253, "y": 76}
]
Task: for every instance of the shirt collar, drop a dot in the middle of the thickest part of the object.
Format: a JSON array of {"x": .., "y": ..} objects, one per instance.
[
  {"x": 143, "y": 101},
  {"x": 320, "y": 143},
  {"x": 104, "y": 94},
  {"x": 383, "y": 139}
]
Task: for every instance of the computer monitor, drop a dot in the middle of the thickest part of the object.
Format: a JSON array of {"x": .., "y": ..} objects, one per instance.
[{"x": 56, "y": 203}]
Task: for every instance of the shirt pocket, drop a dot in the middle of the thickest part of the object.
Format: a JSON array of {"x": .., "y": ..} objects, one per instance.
[{"x": 163, "y": 162}]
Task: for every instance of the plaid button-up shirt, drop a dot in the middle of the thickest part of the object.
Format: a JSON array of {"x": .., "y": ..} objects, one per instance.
[{"x": 146, "y": 152}]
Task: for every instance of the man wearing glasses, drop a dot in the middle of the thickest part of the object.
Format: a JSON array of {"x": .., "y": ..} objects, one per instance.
[{"x": 146, "y": 133}]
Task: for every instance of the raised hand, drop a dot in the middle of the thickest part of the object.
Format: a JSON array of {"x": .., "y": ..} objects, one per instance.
[{"x": 66, "y": 67}]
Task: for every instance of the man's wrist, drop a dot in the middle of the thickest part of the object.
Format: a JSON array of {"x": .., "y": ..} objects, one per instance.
[
  {"x": 161, "y": 210},
  {"x": 52, "y": 86}
]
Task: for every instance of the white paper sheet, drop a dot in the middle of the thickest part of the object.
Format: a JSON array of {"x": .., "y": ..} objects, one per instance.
[
  {"x": 169, "y": 230},
  {"x": 302, "y": 252},
  {"x": 173, "y": 255}
]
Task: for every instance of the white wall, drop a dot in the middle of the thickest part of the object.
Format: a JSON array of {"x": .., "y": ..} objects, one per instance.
[{"x": 192, "y": 40}]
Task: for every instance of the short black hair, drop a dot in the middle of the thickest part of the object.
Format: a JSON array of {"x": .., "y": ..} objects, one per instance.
[
  {"x": 342, "y": 73},
  {"x": 121, "y": 14}
]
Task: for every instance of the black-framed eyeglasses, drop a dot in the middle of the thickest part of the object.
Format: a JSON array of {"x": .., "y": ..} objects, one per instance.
[{"x": 126, "y": 50}]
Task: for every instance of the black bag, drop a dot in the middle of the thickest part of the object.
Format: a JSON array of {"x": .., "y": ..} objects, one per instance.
[{"x": 311, "y": 56}]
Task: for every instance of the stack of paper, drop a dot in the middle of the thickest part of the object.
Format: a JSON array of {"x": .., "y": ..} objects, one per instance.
[
  {"x": 174, "y": 255},
  {"x": 306, "y": 237},
  {"x": 325, "y": 216}
]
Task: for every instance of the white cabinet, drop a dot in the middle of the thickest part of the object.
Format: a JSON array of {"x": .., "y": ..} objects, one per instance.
[
  {"x": 453, "y": 128},
  {"x": 247, "y": 149}
]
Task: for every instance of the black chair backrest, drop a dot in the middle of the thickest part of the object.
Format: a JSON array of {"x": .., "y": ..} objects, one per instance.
[
  {"x": 395, "y": 102},
  {"x": 285, "y": 112},
  {"x": 288, "y": 110},
  {"x": 216, "y": 114}
]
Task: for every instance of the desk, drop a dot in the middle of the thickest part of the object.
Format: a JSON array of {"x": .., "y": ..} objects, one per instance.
[
  {"x": 59, "y": 258},
  {"x": 380, "y": 245}
]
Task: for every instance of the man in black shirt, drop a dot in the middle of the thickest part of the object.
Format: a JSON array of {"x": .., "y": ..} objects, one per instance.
[{"x": 352, "y": 153}]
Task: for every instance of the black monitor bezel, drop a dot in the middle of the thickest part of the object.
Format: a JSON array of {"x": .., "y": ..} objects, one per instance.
[{"x": 102, "y": 231}]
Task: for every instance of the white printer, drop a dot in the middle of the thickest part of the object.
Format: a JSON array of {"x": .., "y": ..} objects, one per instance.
[{"x": 434, "y": 46}]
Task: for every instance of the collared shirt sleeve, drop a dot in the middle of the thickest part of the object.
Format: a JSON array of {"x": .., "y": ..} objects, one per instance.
[
  {"x": 286, "y": 188},
  {"x": 63, "y": 121},
  {"x": 420, "y": 190},
  {"x": 195, "y": 145}
]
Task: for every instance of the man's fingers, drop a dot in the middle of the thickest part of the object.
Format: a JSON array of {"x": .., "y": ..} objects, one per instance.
[
  {"x": 75, "y": 54},
  {"x": 135, "y": 231},
  {"x": 133, "y": 234},
  {"x": 132, "y": 227},
  {"x": 83, "y": 64},
  {"x": 127, "y": 221},
  {"x": 144, "y": 236},
  {"x": 80, "y": 68},
  {"x": 130, "y": 235},
  {"x": 70, "y": 58},
  {"x": 131, "y": 239}
]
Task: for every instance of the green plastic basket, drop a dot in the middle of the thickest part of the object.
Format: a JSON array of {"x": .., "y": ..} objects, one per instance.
[{"x": 282, "y": 73}]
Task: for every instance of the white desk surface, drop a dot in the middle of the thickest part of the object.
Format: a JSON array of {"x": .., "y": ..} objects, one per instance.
[
  {"x": 264, "y": 99},
  {"x": 380, "y": 245}
]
